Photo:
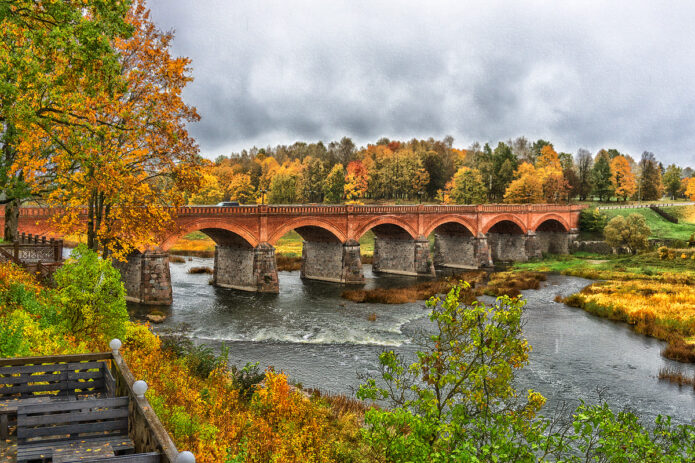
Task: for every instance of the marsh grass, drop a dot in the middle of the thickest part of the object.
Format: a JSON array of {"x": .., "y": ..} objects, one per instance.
[
  {"x": 417, "y": 292},
  {"x": 176, "y": 259},
  {"x": 287, "y": 263},
  {"x": 199, "y": 270},
  {"x": 677, "y": 377},
  {"x": 512, "y": 283}
]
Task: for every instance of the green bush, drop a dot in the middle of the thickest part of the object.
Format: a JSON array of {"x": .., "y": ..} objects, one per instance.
[
  {"x": 592, "y": 221},
  {"x": 12, "y": 342},
  {"x": 90, "y": 296},
  {"x": 245, "y": 379}
]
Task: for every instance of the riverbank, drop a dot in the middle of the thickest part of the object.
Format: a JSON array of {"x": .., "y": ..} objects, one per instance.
[
  {"x": 219, "y": 412},
  {"x": 654, "y": 292}
]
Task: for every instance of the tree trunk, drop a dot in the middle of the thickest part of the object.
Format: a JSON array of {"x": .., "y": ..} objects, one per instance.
[{"x": 11, "y": 220}]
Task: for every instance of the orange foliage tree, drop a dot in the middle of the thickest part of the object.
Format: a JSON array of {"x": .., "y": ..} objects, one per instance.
[
  {"x": 622, "y": 178},
  {"x": 133, "y": 170},
  {"x": 526, "y": 188},
  {"x": 689, "y": 186},
  {"x": 549, "y": 169},
  {"x": 53, "y": 56},
  {"x": 356, "y": 182}
]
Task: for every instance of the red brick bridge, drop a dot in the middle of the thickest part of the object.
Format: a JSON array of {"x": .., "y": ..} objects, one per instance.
[{"x": 465, "y": 237}]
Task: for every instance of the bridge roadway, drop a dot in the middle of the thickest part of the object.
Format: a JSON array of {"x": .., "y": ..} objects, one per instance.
[{"x": 466, "y": 236}]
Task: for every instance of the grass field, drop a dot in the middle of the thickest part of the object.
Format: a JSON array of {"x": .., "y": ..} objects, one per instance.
[
  {"x": 660, "y": 227},
  {"x": 685, "y": 214},
  {"x": 654, "y": 293}
]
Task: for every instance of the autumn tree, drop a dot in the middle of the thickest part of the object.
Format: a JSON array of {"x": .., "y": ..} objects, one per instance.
[
  {"x": 622, "y": 178},
  {"x": 672, "y": 180},
  {"x": 689, "y": 184},
  {"x": 356, "y": 181},
  {"x": 527, "y": 188},
  {"x": 132, "y": 172},
  {"x": 334, "y": 186},
  {"x": 650, "y": 187},
  {"x": 208, "y": 192},
  {"x": 240, "y": 188},
  {"x": 53, "y": 57},
  {"x": 466, "y": 187},
  {"x": 549, "y": 169},
  {"x": 601, "y": 178}
]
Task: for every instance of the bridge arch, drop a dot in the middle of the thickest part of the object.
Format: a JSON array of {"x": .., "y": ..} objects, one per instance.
[
  {"x": 450, "y": 219},
  {"x": 386, "y": 220},
  {"x": 218, "y": 230},
  {"x": 306, "y": 223},
  {"x": 505, "y": 218},
  {"x": 551, "y": 219}
]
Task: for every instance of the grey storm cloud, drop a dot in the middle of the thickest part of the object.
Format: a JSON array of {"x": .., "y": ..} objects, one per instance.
[{"x": 588, "y": 74}]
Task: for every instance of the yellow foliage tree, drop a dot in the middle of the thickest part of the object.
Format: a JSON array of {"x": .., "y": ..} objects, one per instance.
[
  {"x": 526, "y": 188},
  {"x": 209, "y": 191},
  {"x": 690, "y": 187},
  {"x": 132, "y": 172},
  {"x": 240, "y": 188},
  {"x": 622, "y": 178}
]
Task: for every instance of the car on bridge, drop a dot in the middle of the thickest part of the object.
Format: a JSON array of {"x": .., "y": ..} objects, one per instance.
[{"x": 228, "y": 204}]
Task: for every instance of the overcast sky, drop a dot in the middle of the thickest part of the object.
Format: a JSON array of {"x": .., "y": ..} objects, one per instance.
[{"x": 587, "y": 74}]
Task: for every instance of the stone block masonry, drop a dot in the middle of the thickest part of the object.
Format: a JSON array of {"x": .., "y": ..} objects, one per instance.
[
  {"x": 454, "y": 251},
  {"x": 146, "y": 278},
  {"x": 234, "y": 267},
  {"x": 402, "y": 256}
]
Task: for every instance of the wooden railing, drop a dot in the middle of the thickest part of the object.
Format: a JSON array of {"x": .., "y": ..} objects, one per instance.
[
  {"x": 36, "y": 254},
  {"x": 144, "y": 428}
]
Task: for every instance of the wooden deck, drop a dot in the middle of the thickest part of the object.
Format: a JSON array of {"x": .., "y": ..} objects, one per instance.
[{"x": 144, "y": 430}]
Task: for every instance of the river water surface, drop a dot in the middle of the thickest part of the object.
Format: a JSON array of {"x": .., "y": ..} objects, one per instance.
[{"x": 321, "y": 340}]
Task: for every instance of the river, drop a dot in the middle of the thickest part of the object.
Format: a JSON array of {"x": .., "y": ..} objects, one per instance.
[{"x": 321, "y": 340}]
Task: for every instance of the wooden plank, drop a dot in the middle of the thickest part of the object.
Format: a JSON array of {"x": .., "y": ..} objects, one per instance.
[
  {"x": 74, "y": 417},
  {"x": 55, "y": 359},
  {"x": 151, "y": 457},
  {"x": 82, "y": 452},
  {"x": 23, "y": 379},
  {"x": 120, "y": 425},
  {"x": 109, "y": 381},
  {"x": 86, "y": 374},
  {"x": 57, "y": 386},
  {"x": 119, "y": 442},
  {"x": 53, "y": 367},
  {"x": 109, "y": 402}
]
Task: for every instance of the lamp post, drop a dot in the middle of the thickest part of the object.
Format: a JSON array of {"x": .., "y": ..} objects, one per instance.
[
  {"x": 263, "y": 196},
  {"x": 419, "y": 194}
]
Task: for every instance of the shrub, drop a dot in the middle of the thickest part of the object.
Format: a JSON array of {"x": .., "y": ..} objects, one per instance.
[
  {"x": 592, "y": 221},
  {"x": 437, "y": 401},
  {"x": 632, "y": 232},
  {"x": 90, "y": 296},
  {"x": 247, "y": 378}
]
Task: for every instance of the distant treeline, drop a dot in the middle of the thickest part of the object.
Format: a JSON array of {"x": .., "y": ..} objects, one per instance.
[{"x": 516, "y": 171}]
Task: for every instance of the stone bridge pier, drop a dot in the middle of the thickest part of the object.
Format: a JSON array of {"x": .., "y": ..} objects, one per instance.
[
  {"x": 510, "y": 243},
  {"x": 146, "y": 277},
  {"x": 247, "y": 268},
  {"x": 395, "y": 251},
  {"x": 456, "y": 248},
  {"x": 326, "y": 258}
]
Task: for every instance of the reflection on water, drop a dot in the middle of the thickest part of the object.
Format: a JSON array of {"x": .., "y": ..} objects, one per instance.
[{"x": 321, "y": 340}]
